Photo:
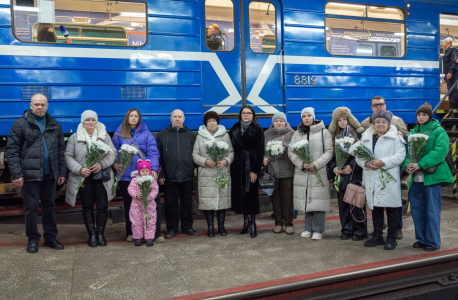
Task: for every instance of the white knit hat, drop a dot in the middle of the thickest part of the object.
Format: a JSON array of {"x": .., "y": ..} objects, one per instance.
[
  {"x": 309, "y": 110},
  {"x": 88, "y": 114}
]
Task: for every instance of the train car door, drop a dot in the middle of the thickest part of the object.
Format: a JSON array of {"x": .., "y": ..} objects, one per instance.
[{"x": 243, "y": 45}]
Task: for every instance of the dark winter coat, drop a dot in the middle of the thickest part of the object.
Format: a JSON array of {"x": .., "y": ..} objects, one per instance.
[
  {"x": 28, "y": 163},
  {"x": 248, "y": 157},
  {"x": 175, "y": 147},
  {"x": 345, "y": 178},
  {"x": 145, "y": 141}
]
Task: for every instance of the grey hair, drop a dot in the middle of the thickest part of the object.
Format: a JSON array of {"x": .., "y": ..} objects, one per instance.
[{"x": 449, "y": 40}]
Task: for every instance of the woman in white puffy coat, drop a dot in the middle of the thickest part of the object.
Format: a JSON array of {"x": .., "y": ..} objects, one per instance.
[{"x": 389, "y": 152}]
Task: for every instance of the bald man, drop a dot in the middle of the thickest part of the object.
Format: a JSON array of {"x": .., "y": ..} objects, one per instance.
[
  {"x": 35, "y": 153},
  {"x": 175, "y": 144}
]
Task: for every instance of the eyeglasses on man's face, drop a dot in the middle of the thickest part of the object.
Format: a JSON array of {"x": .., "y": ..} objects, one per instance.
[
  {"x": 247, "y": 113},
  {"x": 378, "y": 105}
]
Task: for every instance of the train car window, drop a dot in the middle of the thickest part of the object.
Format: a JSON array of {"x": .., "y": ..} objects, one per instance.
[
  {"x": 364, "y": 50},
  {"x": 345, "y": 36},
  {"x": 219, "y": 25},
  {"x": 364, "y": 11},
  {"x": 263, "y": 29},
  {"x": 102, "y": 23}
]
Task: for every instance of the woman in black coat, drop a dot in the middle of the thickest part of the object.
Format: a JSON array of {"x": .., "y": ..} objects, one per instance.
[{"x": 247, "y": 138}]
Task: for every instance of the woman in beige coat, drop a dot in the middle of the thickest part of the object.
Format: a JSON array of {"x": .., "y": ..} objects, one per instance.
[
  {"x": 93, "y": 191},
  {"x": 310, "y": 195},
  {"x": 210, "y": 196}
]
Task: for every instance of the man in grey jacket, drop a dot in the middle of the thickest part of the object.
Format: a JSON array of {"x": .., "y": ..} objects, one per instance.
[{"x": 35, "y": 153}]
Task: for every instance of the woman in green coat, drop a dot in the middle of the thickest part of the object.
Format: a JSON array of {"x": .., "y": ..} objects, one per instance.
[{"x": 425, "y": 193}]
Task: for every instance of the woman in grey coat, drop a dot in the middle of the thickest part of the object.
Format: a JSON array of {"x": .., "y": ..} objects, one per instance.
[
  {"x": 283, "y": 169},
  {"x": 210, "y": 196},
  {"x": 93, "y": 191}
]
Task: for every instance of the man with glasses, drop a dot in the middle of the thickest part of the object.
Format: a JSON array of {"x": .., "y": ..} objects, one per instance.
[{"x": 379, "y": 104}]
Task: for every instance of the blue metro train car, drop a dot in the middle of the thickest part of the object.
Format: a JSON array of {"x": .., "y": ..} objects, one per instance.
[{"x": 275, "y": 55}]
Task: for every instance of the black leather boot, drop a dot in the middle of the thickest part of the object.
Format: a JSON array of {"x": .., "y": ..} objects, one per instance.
[
  {"x": 392, "y": 216},
  {"x": 210, "y": 215},
  {"x": 253, "y": 232},
  {"x": 88, "y": 217},
  {"x": 246, "y": 224},
  {"x": 101, "y": 223},
  {"x": 221, "y": 216},
  {"x": 377, "y": 217}
]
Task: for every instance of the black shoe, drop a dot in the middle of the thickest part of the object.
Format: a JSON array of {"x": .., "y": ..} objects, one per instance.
[
  {"x": 32, "y": 247},
  {"x": 92, "y": 242},
  {"x": 246, "y": 224},
  {"x": 101, "y": 222},
  {"x": 375, "y": 241},
  {"x": 210, "y": 216},
  {"x": 295, "y": 214},
  {"x": 418, "y": 245},
  {"x": 138, "y": 243},
  {"x": 357, "y": 237},
  {"x": 190, "y": 232},
  {"x": 345, "y": 236},
  {"x": 88, "y": 217},
  {"x": 149, "y": 243},
  {"x": 390, "y": 245},
  {"x": 430, "y": 249},
  {"x": 253, "y": 231},
  {"x": 56, "y": 245},
  {"x": 272, "y": 215},
  {"x": 221, "y": 217},
  {"x": 170, "y": 234}
]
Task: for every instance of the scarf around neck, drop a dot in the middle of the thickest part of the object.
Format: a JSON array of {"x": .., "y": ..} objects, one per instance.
[
  {"x": 90, "y": 140},
  {"x": 244, "y": 126}
]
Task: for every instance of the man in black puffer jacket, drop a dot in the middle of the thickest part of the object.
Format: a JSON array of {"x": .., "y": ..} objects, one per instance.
[
  {"x": 35, "y": 153},
  {"x": 175, "y": 145}
]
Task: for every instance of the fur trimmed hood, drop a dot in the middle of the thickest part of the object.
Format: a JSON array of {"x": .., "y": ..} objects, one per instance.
[{"x": 344, "y": 112}]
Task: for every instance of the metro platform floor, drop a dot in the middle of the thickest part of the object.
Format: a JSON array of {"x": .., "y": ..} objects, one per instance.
[{"x": 194, "y": 267}]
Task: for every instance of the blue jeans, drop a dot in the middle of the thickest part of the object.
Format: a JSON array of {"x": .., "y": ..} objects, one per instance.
[{"x": 425, "y": 205}]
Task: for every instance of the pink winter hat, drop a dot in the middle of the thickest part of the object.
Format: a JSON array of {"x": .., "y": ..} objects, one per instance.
[{"x": 144, "y": 164}]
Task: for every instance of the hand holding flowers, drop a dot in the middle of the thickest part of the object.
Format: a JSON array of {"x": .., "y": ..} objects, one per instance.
[
  {"x": 416, "y": 142},
  {"x": 96, "y": 153},
  {"x": 217, "y": 150},
  {"x": 302, "y": 149},
  {"x": 144, "y": 184},
  {"x": 127, "y": 152},
  {"x": 342, "y": 154}
]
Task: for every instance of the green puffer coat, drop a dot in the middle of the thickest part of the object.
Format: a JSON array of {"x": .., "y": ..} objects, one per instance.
[{"x": 435, "y": 152}]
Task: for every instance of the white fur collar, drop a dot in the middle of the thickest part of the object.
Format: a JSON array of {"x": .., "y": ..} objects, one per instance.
[
  {"x": 101, "y": 131},
  {"x": 391, "y": 134},
  {"x": 203, "y": 131}
]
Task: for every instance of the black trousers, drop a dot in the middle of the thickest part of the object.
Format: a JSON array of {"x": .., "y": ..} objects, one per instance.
[
  {"x": 178, "y": 205},
  {"x": 32, "y": 192},
  {"x": 377, "y": 218},
  {"x": 95, "y": 192},
  {"x": 348, "y": 223},
  {"x": 123, "y": 185},
  {"x": 453, "y": 96}
]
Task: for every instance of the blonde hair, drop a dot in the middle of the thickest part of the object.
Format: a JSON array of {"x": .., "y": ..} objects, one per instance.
[{"x": 216, "y": 26}]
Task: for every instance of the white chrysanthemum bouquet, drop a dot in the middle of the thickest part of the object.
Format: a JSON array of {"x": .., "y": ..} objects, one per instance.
[
  {"x": 126, "y": 153},
  {"x": 274, "y": 149},
  {"x": 416, "y": 143},
  {"x": 217, "y": 150},
  {"x": 97, "y": 152},
  {"x": 144, "y": 184},
  {"x": 362, "y": 152},
  {"x": 342, "y": 154},
  {"x": 302, "y": 149}
]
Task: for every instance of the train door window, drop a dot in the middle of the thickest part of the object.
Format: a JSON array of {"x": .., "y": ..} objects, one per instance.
[
  {"x": 350, "y": 36},
  {"x": 263, "y": 29},
  {"x": 113, "y": 23},
  {"x": 219, "y": 25},
  {"x": 364, "y": 50},
  {"x": 388, "y": 51}
]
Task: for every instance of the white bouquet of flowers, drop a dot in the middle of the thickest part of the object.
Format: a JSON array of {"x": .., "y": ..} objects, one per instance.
[
  {"x": 126, "y": 153},
  {"x": 97, "y": 152},
  {"x": 144, "y": 184},
  {"x": 302, "y": 149},
  {"x": 217, "y": 150},
  {"x": 416, "y": 143},
  {"x": 274, "y": 149},
  {"x": 342, "y": 154}
]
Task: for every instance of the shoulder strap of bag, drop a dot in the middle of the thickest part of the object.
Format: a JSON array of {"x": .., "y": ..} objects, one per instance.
[
  {"x": 322, "y": 139},
  {"x": 33, "y": 144}
]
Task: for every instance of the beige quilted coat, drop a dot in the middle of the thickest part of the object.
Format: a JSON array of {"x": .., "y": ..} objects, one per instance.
[
  {"x": 306, "y": 183},
  {"x": 75, "y": 157},
  {"x": 210, "y": 198}
]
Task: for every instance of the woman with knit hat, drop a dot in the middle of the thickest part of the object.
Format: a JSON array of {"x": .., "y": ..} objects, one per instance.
[
  {"x": 425, "y": 193},
  {"x": 88, "y": 131},
  {"x": 382, "y": 192},
  {"x": 283, "y": 169},
  {"x": 309, "y": 194},
  {"x": 351, "y": 172}
]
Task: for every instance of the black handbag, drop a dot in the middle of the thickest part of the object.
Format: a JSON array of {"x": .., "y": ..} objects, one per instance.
[
  {"x": 267, "y": 180},
  {"x": 103, "y": 175}
]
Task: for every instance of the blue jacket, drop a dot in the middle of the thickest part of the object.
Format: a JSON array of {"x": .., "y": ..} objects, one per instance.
[{"x": 147, "y": 144}]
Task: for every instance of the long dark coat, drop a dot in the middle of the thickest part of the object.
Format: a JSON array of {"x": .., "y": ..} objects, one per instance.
[{"x": 248, "y": 157}]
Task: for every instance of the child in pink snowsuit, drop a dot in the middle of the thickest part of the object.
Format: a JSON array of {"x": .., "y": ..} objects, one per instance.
[{"x": 136, "y": 213}]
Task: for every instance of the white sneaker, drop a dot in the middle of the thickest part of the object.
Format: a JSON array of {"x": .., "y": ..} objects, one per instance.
[
  {"x": 129, "y": 238},
  {"x": 306, "y": 234},
  {"x": 317, "y": 236}
]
